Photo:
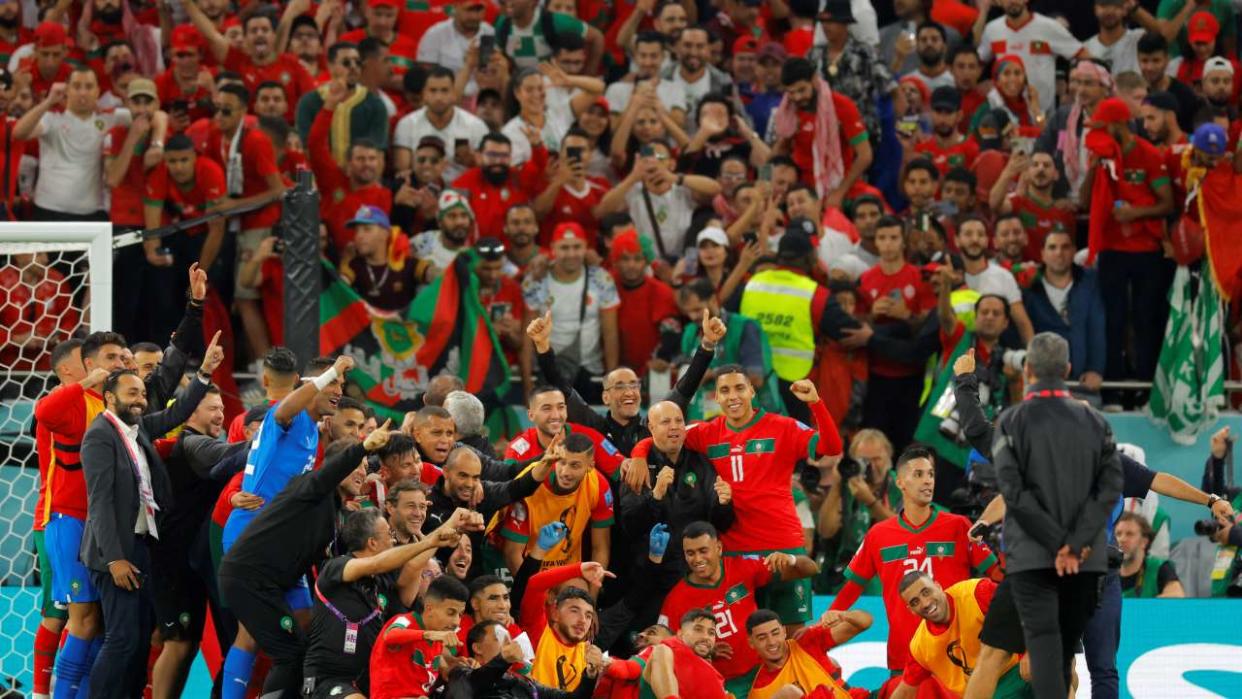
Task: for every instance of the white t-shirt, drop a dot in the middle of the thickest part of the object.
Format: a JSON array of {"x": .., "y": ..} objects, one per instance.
[
  {"x": 945, "y": 79},
  {"x": 673, "y": 210},
  {"x": 1123, "y": 55},
  {"x": 1059, "y": 298},
  {"x": 554, "y": 128},
  {"x": 693, "y": 92},
  {"x": 833, "y": 245},
  {"x": 559, "y": 107},
  {"x": 566, "y": 330},
  {"x": 1038, "y": 42},
  {"x": 444, "y": 45},
  {"x": 995, "y": 279},
  {"x": 428, "y": 246},
  {"x": 670, "y": 94},
  {"x": 414, "y": 126},
  {"x": 71, "y": 161}
]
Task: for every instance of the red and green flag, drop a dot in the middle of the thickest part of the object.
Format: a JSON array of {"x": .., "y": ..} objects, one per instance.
[{"x": 444, "y": 330}]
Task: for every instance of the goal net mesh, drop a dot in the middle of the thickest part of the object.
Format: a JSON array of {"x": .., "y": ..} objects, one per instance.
[{"x": 45, "y": 297}]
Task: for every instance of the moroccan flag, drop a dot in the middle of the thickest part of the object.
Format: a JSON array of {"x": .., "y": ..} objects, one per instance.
[
  {"x": 444, "y": 330},
  {"x": 1220, "y": 208}
]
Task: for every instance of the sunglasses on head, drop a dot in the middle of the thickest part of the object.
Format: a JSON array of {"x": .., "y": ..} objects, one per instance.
[{"x": 492, "y": 251}]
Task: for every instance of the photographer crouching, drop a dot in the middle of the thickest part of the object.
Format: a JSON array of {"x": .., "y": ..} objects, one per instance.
[{"x": 1226, "y": 579}]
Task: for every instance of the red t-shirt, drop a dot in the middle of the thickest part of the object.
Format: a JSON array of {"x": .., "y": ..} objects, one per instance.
[
  {"x": 971, "y": 101},
  {"x": 403, "y": 668},
  {"x": 1143, "y": 171},
  {"x": 643, "y": 309},
  {"x": 1177, "y": 174},
  {"x": 40, "y": 85},
  {"x": 508, "y": 299},
  {"x": 285, "y": 70},
  {"x": 338, "y": 200},
  {"x": 907, "y": 283},
  {"x": 952, "y": 13},
  {"x": 732, "y": 600},
  {"x": 961, "y": 154},
  {"x": 127, "y": 196},
  {"x": 24, "y": 36},
  {"x": 852, "y": 132},
  {"x": 526, "y": 447},
  {"x": 272, "y": 289},
  {"x": 941, "y": 547},
  {"x": 575, "y": 206},
  {"x": 258, "y": 162},
  {"x": 185, "y": 203},
  {"x": 197, "y": 101},
  {"x": 491, "y": 203},
  {"x": 1039, "y": 219},
  {"x": 758, "y": 462}
]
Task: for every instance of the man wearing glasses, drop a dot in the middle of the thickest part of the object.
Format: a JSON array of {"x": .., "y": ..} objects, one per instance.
[{"x": 366, "y": 116}]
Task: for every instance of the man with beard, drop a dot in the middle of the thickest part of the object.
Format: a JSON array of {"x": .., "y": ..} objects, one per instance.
[
  {"x": 416, "y": 193},
  {"x": 440, "y": 247},
  {"x": 564, "y": 655},
  {"x": 447, "y": 42},
  {"x": 406, "y": 507},
  {"x": 1218, "y": 83},
  {"x": 726, "y": 586},
  {"x": 180, "y": 554},
  {"x": 126, "y": 485},
  {"x": 495, "y": 186},
  {"x": 1032, "y": 200},
  {"x": 1066, "y": 299},
  {"x": 946, "y": 645},
  {"x": 519, "y": 235},
  {"x": 498, "y": 674},
  {"x": 1116, "y": 44},
  {"x": 287, "y": 537},
  {"x": 911, "y": 15},
  {"x": 644, "y": 81},
  {"x": 385, "y": 277},
  {"x": 457, "y": 129},
  {"x": 802, "y": 662},
  {"x": 343, "y": 190},
  {"x": 932, "y": 45},
  {"x": 947, "y": 147},
  {"x": 1158, "y": 115},
  {"x": 287, "y": 445},
  {"x": 461, "y": 482},
  {"x": 257, "y": 60},
  {"x": 804, "y": 105},
  {"x": 365, "y": 117},
  {"x": 1153, "y": 61},
  {"x": 1011, "y": 242},
  {"x": 985, "y": 277},
  {"x": 678, "y": 665},
  {"x": 12, "y": 34},
  {"x": 695, "y": 76},
  {"x": 1038, "y": 40}
]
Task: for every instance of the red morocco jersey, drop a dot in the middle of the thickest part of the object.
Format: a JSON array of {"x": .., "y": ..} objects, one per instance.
[
  {"x": 757, "y": 461},
  {"x": 526, "y": 447},
  {"x": 403, "y": 669},
  {"x": 941, "y": 548},
  {"x": 732, "y": 600}
]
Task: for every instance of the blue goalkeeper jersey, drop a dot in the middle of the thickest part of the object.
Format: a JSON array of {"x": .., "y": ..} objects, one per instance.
[{"x": 277, "y": 454}]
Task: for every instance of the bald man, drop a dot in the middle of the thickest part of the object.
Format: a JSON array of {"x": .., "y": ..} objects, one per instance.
[{"x": 623, "y": 425}]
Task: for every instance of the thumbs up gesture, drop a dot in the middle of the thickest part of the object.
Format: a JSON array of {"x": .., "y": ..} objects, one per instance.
[
  {"x": 965, "y": 364},
  {"x": 713, "y": 329},
  {"x": 540, "y": 332}
]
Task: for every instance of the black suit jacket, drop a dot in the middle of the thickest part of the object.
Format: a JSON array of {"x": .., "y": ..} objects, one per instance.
[{"x": 112, "y": 500}]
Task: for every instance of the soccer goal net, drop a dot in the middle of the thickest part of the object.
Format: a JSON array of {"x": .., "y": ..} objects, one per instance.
[{"x": 55, "y": 283}]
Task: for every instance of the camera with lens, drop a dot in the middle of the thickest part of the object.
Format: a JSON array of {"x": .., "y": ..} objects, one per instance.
[
  {"x": 849, "y": 467},
  {"x": 950, "y": 426},
  {"x": 1014, "y": 359},
  {"x": 1207, "y": 527}
]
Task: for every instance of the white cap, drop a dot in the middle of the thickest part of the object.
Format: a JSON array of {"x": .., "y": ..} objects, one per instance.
[
  {"x": 1216, "y": 63},
  {"x": 714, "y": 234}
]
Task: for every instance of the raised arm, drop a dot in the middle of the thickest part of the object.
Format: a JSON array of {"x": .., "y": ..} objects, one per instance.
[
  {"x": 27, "y": 127},
  {"x": 216, "y": 42},
  {"x": 304, "y": 396}
]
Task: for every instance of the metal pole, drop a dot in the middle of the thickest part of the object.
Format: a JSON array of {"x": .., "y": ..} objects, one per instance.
[{"x": 299, "y": 229}]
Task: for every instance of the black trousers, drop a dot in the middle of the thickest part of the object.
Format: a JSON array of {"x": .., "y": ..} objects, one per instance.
[
  {"x": 120, "y": 670},
  {"x": 260, "y": 607},
  {"x": 892, "y": 407},
  {"x": 1054, "y": 611},
  {"x": 1136, "y": 293}
]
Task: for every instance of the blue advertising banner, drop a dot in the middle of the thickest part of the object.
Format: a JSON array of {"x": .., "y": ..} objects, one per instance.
[{"x": 1182, "y": 649}]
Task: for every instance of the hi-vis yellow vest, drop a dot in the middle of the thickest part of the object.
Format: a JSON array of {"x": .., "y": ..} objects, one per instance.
[
  {"x": 780, "y": 301},
  {"x": 802, "y": 670},
  {"x": 951, "y": 656}
]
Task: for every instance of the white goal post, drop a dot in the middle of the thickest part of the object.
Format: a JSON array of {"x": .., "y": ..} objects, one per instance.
[{"x": 55, "y": 280}]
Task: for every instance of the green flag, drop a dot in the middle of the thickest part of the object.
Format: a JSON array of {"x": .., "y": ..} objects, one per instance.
[{"x": 1189, "y": 386}]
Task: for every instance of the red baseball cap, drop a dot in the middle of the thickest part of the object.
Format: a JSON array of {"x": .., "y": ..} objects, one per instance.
[
  {"x": 1111, "y": 111},
  {"x": 385, "y": 3},
  {"x": 1202, "y": 28},
  {"x": 184, "y": 36},
  {"x": 49, "y": 34},
  {"x": 745, "y": 44},
  {"x": 568, "y": 230},
  {"x": 602, "y": 103}
]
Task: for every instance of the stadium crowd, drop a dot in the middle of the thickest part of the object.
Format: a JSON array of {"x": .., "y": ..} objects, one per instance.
[{"x": 854, "y": 234}]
